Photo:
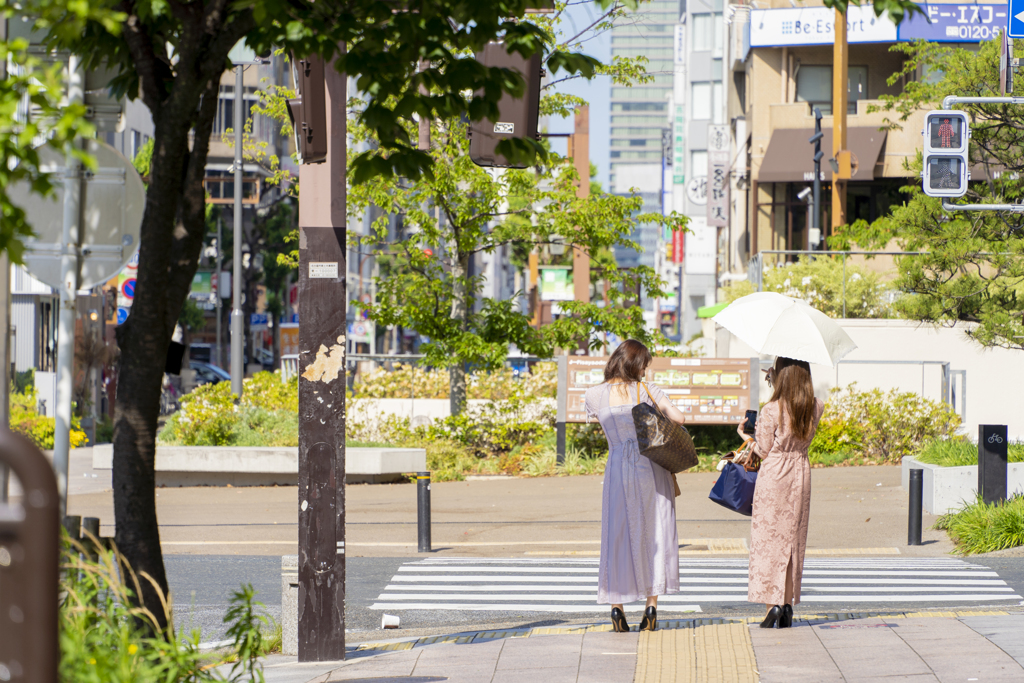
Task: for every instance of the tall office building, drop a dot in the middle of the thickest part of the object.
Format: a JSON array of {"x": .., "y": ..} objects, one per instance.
[{"x": 640, "y": 113}]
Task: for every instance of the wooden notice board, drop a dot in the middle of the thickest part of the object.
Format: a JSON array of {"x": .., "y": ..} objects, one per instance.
[{"x": 707, "y": 390}]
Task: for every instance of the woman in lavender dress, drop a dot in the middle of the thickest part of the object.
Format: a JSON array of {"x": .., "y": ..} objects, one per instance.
[{"x": 639, "y": 544}]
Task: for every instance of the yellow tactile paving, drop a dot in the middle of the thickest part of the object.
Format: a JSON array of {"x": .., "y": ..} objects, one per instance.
[{"x": 718, "y": 653}]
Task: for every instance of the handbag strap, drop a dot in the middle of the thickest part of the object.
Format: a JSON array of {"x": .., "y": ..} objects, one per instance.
[{"x": 653, "y": 402}]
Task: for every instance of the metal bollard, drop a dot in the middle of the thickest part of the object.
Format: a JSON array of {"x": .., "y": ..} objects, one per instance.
[
  {"x": 916, "y": 499},
  {"x": 423, "y": 510}
]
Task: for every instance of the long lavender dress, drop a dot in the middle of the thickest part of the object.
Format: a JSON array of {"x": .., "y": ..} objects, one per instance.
[{"x": 639, "y": 543}]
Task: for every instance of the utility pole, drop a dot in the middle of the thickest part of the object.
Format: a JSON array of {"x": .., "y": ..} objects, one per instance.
[
  {"x": 322, "y": 300},
  {"x": 5, "y": 327},
  {"x": 840, "y": 87},
  {"x": 68, "y": 294},
  {"x": 237, "y": 323},
  {"x": 579, "y": 151}
]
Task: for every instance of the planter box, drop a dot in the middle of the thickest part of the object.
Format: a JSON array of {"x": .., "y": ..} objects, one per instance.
[
  {"x": 238, "y": 466},
  {"x": 946, "y": 489}
]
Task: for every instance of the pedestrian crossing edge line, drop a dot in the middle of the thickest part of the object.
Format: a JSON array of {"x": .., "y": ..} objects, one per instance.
[{"x": 666, "y": 624}]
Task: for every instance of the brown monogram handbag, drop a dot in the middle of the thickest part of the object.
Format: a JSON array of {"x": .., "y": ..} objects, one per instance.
[{"x": 661, "y": 440}]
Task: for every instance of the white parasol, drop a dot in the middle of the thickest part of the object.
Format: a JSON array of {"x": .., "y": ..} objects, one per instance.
[{"x": 779, "y": 325}]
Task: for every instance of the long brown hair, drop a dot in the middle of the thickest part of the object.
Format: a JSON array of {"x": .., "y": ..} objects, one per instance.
[
  {"x": 795, "y": 393},
  {"x": 628, "y": 362}
]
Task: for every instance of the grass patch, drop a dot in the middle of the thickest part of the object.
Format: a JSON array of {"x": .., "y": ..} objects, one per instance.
[
  {"x": 981, "y": 528},
  {"x": 962, "y": 453}
]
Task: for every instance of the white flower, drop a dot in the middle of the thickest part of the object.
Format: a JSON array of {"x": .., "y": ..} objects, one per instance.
[{"x": 806, "y": 281}]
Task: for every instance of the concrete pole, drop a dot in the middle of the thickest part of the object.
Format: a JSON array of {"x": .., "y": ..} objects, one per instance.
[
  {"x": 579, "y": 151},
  {"x": 237, "y": 323},
  {"x": 5, "y": 362},
  {"x": 322, "y": 297},
  {"x": 5, "y": 327},
  {"x": 68, "y": 295},
  {"x": 840, "y": 86}
]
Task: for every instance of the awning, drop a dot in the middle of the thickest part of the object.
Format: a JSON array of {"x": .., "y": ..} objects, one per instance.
[
  {"x": 790, "y": 158},
  {"x": 711, "y": 311}
]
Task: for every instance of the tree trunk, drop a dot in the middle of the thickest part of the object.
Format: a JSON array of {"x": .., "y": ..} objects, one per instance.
[
  {"x": 172, "y": 233},
  {"x": 460, "y": 313}
]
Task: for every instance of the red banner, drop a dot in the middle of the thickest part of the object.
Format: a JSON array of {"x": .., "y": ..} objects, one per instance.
[{"x": 677, "y": 246}]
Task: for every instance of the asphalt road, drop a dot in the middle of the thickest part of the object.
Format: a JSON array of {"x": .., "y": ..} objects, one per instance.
[{"x": 202, "y": 584}]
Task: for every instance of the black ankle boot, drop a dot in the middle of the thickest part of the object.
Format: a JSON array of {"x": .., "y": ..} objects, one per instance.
[
  {"x": 650, "y": 620},
  {"x": 773, "y": 618}
]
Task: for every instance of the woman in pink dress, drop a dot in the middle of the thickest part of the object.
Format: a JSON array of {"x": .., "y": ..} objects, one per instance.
[
  {"x": 639, "y": 543},
  {"x": 782, "y": 497}
]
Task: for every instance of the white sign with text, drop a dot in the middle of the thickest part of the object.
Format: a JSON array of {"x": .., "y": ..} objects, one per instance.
[{"x": 815, "y": 26}]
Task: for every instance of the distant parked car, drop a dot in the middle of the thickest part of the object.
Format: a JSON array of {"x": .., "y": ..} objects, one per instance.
[
  {"x": 208, "y": 374},
  {"x": 200, "y": 352}
]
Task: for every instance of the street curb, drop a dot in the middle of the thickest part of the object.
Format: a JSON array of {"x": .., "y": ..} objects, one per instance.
[{"x": 464, "y": 638}]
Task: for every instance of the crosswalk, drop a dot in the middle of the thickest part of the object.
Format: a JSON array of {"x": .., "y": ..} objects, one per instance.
[{"x": 570, "y": 585}]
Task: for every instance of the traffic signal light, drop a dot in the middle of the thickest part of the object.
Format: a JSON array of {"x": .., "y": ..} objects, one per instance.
[
  {"x": 308, "y": 111},
  {"x": 517, "y": 116},
  {"x": 945, "y": 153}
]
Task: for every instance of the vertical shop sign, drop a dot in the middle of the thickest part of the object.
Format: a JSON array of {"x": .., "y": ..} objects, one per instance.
[{"x": 718, "y": 175}]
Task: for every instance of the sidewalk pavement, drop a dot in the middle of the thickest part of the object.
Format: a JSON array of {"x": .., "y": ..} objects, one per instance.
[{"x": 923, "y": 647}]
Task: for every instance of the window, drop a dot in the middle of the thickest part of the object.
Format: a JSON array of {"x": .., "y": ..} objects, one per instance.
[
  {"x": 708, "y": 32},
  {"x": 225, "y": 118},
  {"x": 699, "y": 163},
  {"x": 638, "y": 106},
  {"x": 700, "y": 101},
  {"x": 706, "y": 101},
  {"x": 716, "y": 69},
  {"x": 814, "y": 85}
]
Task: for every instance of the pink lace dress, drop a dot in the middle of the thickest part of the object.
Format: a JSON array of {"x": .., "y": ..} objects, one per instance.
[
  {"x": 639, "y": 543},
  {"x": 782, "y": 506}
]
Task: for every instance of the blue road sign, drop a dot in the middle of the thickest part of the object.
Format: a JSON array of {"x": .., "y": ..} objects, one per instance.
[
  {"x": 1015, "y": 22},
  {"x": 122, "y": 314}
]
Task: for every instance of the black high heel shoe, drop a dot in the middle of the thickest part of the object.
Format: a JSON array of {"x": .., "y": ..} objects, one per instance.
[
  {"x": 650, "y": 620},
  {"x": 786, "y": 620},
  {"x": 619, "y": 621},
  {"x": 773, "y": 618}
]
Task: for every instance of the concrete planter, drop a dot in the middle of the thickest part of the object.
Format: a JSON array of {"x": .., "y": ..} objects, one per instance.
[
  {"x": 946, "y": 489},
  {"x": 223, "y": 465}
]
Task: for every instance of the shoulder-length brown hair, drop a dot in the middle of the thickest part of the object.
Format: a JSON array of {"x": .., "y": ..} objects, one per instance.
[
  {"x": 795, "y": 393},
  {"x": 628, "y": 362}
]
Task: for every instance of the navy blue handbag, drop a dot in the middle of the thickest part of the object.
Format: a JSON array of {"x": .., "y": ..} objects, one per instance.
[{"x": 735, "y": 486}]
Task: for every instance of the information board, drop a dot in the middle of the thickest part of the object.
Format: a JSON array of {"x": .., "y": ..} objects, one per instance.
[{"x": 707, "y": 390}]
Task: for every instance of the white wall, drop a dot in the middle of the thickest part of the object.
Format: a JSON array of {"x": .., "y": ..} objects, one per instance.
[{"x": 995, "y": 377}]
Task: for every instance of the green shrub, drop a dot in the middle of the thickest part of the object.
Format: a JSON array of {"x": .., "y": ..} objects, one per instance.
[
  {"x": 407, "y": 381},
  {"x": 879, "y": 426},
  {"x": 819, "y": 282},
  {"x": 960, "y": 452},
  {"x": 267, "y": 415},
  {"x": 981, "y": 528},
  {"x": 588, "y": 438},
  {"x": 105, "y": 430},
  {"x": 38, "y": 428}
]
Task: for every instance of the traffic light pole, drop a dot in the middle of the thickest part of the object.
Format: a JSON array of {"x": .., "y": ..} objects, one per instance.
[{"x": 947, "y": 103}]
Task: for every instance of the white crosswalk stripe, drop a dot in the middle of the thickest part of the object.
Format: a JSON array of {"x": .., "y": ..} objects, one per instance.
[{"x": 570, "y": 585}]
